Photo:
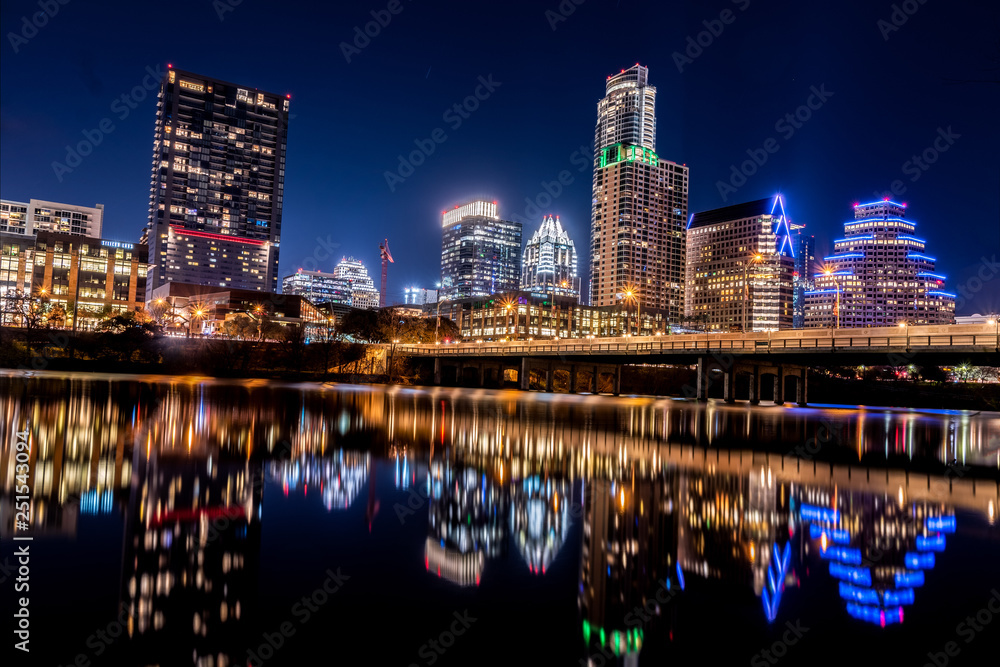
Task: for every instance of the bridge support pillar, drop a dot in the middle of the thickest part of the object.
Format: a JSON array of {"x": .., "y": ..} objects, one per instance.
[
  {"x": 802, "y": 388},
  {"x": 597, "y": 380},
  {"x": 550, "y": 374},
  {"x": 618, "y": 381},
  {"x": 701, "y": 384},
  {"x": 755, "y": 386},
  {"x": 460, "y": 374},
  {"x": 482, "y": 374},
  {"x": 729, "y": 385},
  {"x": 779, "y": 386},
  {"x": 524, "y": 375},
  {"x": 437, "y": 371},
  {"x": 572, "y": 379}
]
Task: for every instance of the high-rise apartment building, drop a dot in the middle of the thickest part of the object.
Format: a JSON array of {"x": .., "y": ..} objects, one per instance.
[
  {"x": 740, "y": 261},
  {"x": 480, "y": 253},
  {"x": 36, "y": 215},
  {"x": 217, "y": 182},
  {"x": 549, "y": 261},
  {"x": 879, "y": 275},
  {"x": 354, "y": 275},
  {"x": 640, "y": 203},
  {"x": 805, "y": 266}
]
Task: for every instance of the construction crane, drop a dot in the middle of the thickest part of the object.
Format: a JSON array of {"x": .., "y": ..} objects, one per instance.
[{"x": 383, "y": 250}]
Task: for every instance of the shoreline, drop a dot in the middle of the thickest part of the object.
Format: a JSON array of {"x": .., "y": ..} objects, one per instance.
[{"x": 140, "y": 376}]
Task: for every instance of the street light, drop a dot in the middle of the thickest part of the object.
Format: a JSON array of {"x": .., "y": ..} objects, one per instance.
[
  {"x": 836, "y": 305},
  {"x": 631, "y": 294},
  {"x": 906, "y": 327},
  {"x": 746, "y": 286},
  {"x": 995, "y": 321}
]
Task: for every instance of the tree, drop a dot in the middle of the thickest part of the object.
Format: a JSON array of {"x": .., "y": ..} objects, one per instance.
[
  {"x": 933, "y": 374},
  {"x": 361, "y": 326}
]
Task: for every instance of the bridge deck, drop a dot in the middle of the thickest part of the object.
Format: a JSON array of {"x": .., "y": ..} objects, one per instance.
[{"x": 979, "y": 341}]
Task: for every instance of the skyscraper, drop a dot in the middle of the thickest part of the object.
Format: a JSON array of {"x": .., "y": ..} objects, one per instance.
[
  {"x": 353, "y": 273},
  {"x": 739, "y": 268},
  {"x": 217, "y": 182},
  {"x": 640, "y": 203},
  {"x": 879, "y": 275},
  {"x": 549, "y": 261},
  {"x": 805, "y": 265},
  {"x": 480, "y": 253},
  {"x": 317, "y": 286}
]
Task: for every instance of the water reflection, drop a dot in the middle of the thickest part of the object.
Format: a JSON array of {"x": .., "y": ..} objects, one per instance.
[{"x": 665, "y": 494}]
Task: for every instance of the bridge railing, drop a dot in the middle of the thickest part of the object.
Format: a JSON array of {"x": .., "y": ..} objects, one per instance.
[{"x": 874, "y": 340}]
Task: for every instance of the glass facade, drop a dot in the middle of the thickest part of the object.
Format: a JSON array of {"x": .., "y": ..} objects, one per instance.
[{"x": 480, "y": 254}]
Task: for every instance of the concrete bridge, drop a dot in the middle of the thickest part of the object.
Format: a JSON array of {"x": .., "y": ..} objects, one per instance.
[{"x": 784, "y": 356}]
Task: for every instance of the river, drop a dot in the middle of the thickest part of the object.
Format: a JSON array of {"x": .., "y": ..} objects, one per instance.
[{"x": 180, "y": 521}]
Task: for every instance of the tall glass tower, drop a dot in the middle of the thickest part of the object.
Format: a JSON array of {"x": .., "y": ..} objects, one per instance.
[
  {"x": 879, "y": 275},
  {"x": 480, "y": 253},
  {"x": 217, "y": 182},
  {"x": 640, "y": 203}
]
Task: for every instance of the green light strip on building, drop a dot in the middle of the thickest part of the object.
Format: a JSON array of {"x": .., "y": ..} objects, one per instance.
[{"x": 627, "y": 153}]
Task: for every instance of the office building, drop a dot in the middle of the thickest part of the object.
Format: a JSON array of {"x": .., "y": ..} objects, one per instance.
[
  {"x": 640, "y": 203},
  {"x": 549, "y": 261},
  {"x": 879, "y": 275},
  {"x": 805, "y": 267},
  {"x": 28, "y": 218},
  {"x": 80, "y": 279},
  {"x": 352, "y": 273},
  {"x": 480, "y": 253},
  {"x": 317, "y": 286},
  {"x": 216, "y": 186},
  {"x": 524, "y": 315},
  {"x": 739, "y": 268}
]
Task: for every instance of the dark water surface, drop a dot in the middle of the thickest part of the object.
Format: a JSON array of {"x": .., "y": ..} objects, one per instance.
[{"x": 200, "y": 522}]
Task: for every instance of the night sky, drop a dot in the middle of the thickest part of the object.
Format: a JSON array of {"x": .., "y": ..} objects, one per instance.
[{"x": 891, "y": 91}]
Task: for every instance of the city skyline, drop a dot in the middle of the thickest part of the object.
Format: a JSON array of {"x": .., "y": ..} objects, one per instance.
[{"x": 698, "y": 128}]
